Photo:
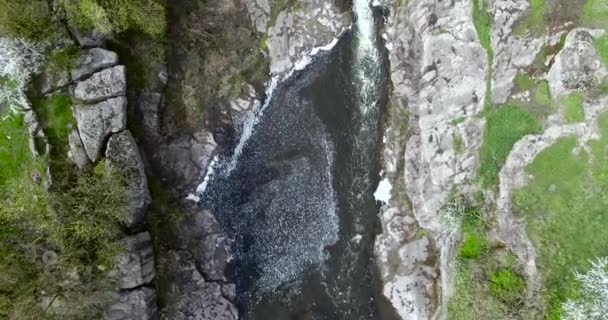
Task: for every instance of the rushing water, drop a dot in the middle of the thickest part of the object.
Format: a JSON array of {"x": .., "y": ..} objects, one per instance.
[{"x": 295, "y": 195}]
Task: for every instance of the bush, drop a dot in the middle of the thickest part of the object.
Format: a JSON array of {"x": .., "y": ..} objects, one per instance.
[
  {"x": 115, "y": 16},
  {"x": 29, "y": 19}
]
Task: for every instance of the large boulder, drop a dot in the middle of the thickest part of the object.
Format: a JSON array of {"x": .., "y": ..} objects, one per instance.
[
  {"x": 135, "y": 266},
  {"x": 106, "y": 84},
  {"x": 77, "y": 153},
  {"x": 92, "y": 61},
  {"x": 192, "y": 297},
  {"x": 96, "y": 122},
  {"x": 122, "y": 154},
  {"x": 138, "y": 304},
  {"x": 578, "y": 66}
]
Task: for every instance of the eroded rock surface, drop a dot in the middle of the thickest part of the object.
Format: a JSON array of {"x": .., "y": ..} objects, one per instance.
[
  {"x": 122, "y": 154},
  {"x": 92, "y": 61},
  {"x": 137, "y": 304},
  {"x": 135, "y": 266},
  {"x": 97, "y": 121},
  {"x": 105, "y": 84}
]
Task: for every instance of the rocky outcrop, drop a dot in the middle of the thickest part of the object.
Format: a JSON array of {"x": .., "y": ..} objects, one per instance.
[
  {"x": 91, "y": 61},
  {"x": 105, "y": 84},
  {"x": 192, "y": 297},
  {"x": 97, "y": 121},
  {"x": 122, "y": 154},
  {"x": 297, "y": 29},
  {"x": 77, "y": 153},
  {"x": 438, "y": 70},
  {"x": 136, "y": 304},
  {"x": 577, "y": 66},
  {"x": 135, "y": 266}
]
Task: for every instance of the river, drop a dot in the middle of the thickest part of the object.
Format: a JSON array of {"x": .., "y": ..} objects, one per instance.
[{"x": 295, "y": 196}]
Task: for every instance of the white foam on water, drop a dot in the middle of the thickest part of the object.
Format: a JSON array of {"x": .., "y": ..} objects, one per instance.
[{"x": 383, "y": 192}]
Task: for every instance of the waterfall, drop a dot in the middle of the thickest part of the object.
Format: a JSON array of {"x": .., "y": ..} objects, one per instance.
[{"x": 367, "y": 67}]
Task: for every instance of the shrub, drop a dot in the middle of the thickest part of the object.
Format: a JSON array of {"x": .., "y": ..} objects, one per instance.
[
  {"x": 29, "y": 19},
  {"x": 593, "y": 298},
  {"x": 507, "y": 286},
  {"x": 115, "y": 16}
]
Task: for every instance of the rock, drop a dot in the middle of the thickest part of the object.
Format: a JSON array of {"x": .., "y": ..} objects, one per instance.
[
  {"x": 51, "y": 80},
  {"x": 135, "y": 266},
  {"x": 229, "y": 291},
  {"x": 122, "y": 153},
  {"x": 96, "y": 122},
  {"x": 92, "y": 61},
  {"x": 577, "y": 67},
  {"x": 138, "y": 304},
  {"x": 200, "y": 234},
  {"x": 190, "y": 296},
  {"x": 149, "y": 105},
  {"x": 108, "y": 83},
  {"x": 77, "y": 153},
  {"x": 90, "y": 38},
  {"x": 299, "y": 29},
  {"x": 259, "y": 13}
]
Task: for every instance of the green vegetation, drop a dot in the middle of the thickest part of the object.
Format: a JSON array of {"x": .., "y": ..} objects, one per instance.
[
  {"x": 49, "y": 237},
  {"x": 534, "y": 21},
  {"x": 60, "y": 60},
  {"x": 115, "y": 16},
  {"x": 25, "y": 19},
  {"x": 483, "y": 24},
  {"x": 542, "y": 95},
  {"x": 601, "y": 45},
  {"x": 504, "y": 128},
  {"x": 507, "y": 286},
  {"x": 524, "y": 82},
  {"x": 573, "y": 104},
  {"x": 595, "y": 14},
  {"x": 401, "y": 3},
  {"x": 486, "y": 285},
  {"x": 458, "y": 143},
  {"x": 564, "y": 205}
]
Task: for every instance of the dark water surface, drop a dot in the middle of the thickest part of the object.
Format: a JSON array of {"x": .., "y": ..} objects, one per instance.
[{"x": 299, "y": 204}]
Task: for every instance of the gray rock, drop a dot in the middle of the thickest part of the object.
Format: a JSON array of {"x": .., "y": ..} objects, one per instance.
[
  {"x": 201, "y": 235},
  {"x": 108, "y": 83},
  {"x": 77, "y": 153},
  {"x": 122, "y": 153},
  {"x": 138, "y": 304},
  {"x": 90, "y": 38},
  {"x": 149, "y": 104},
  {"x": 92, "y": 61},
  {"x": 191, "y": 297},
  {"x": 96, "y": 122},
  {"x": 135, "y": 266},
  {"x": 577, "y": 67},
  {"x": 52, "y": 80}
]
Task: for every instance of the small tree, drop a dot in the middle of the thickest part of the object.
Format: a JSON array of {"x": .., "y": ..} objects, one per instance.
[{"x": 593, "y": 301}]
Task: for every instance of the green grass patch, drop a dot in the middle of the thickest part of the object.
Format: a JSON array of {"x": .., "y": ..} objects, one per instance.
[
  {"x": 524, "y": 82},
  {"x": 534, "y": 21},
  {"x": 63, "y": 60},
  {"x": 573, "y": 107},
  {"x": 504, "y": 128},
  {"x": 595, "y": 14},
  {"x": 474, "y": 243},
  {"x": 601, "y": 45},
  {"x": 482, "y": 20},
  {"x": 458, "y": 143},
  {"x": 542, "y": 95},
  {"x": 401, "y": 3},
  {"x": 29, "y": 19},
  {"x": 564, "y": 205},
  {"x": 115, "y": 16},
  {"x": 507, "y": 286}
]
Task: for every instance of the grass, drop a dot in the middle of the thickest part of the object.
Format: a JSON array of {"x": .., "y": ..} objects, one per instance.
[
  {"x": 507, "y": 286},
  {"x": 485, "y": 287},
  {"x": 573, "y": 107},
  {"x": 63, "y": 60},
  {"x": 116, "y": 16},
  {"x": 534, "y": 21},
  {"x": 504, "y": 128},
  {"x": 458, "y": 143},
  {"x": 542, "y": 95},
  {"x": 25, "y": 19},
  {"x": 524, "y": 82},
  {"x": 564, "y": 205},
  {"x": 483, "y": 25},
  {"x": 601, "y": 45},
  {"x": 595, "y": 14}
]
